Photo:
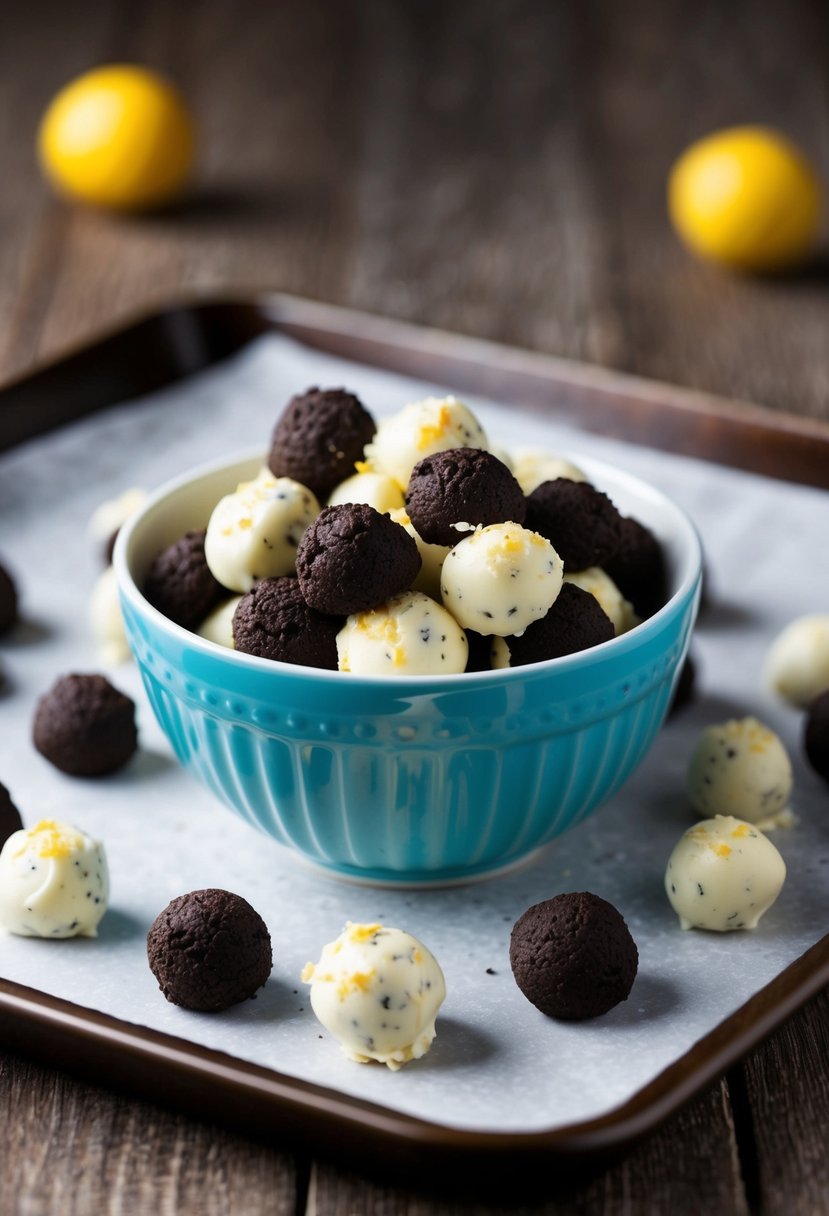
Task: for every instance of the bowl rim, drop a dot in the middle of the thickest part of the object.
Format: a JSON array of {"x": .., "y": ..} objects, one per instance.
[{"x": 129, "y": 590}]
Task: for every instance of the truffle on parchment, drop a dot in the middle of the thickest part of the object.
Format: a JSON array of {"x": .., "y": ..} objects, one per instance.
[
  {"x": 85, "y": 726},
  {"x": 209, "y": 949},
  {"x": 573, "y": 956}
]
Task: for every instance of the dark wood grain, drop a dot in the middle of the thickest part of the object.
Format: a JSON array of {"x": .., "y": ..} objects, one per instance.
[
  {"x": 492, "y": 167},
  {"x": 72, "y": 1150},
  {"x": 782, "y": 1097},
  {"x": 655, "y": 1178}
]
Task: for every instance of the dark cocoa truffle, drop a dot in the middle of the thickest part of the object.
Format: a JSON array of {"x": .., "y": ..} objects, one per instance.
[
  {"x": 209, "y": 950},
  {"x": 816, "y": 735},
  {"x": 638, "y": 568},
  {"x": 10, "y": 820},
  {"x": 274, "y": 622},
  {"x": 180, "y": 583},
  {"x": 465, "y": 485},
  {"x": 573, "y": 956},
  {"x": 479, "y": 657},
  {"x": 352, "y": 558},
  {"x": 581, "y": 523},
  {"x": 318, "y": 438},
  {"x": 8, "y": 600},
  {"x": 85, "y": 727},
  {"x": 576, "y": 621}
]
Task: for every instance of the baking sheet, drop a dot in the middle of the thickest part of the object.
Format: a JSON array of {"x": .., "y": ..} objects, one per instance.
[{"x": 497, "y": 1064}]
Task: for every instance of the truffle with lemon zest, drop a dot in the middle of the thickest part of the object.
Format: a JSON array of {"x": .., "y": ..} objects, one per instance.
[
  {"x": 420, "y": 429},
  {"x": 378, "y": 991},
  {"x": 740, "y": 767},
  {"x": 723, "y": 874},
  {"x": 54, "y": 882},
  {"x": 377, "y": 489},
  {"x": 254, "y": 532},
  {"x": 411, "y": 634},
  {"x": 501, "y": 578}
]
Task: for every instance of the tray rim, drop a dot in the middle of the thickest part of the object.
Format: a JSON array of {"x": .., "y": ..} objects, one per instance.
[
  {"x": 206, "y": 1083},
  {"x": 656, "y": 413},
  {"x": 50, "y": 1028}
]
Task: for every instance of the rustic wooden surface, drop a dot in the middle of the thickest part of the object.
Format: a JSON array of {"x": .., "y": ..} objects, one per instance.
[{"x": 494, "y": 167}]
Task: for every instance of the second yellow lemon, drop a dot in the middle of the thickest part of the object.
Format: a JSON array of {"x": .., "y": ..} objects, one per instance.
[
  {"x": 746, "y": 197},
  {"x": 118, "y": 136}
]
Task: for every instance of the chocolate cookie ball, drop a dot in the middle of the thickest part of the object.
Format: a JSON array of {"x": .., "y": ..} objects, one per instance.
[
  {"x": 580, "y": 522},
  {"x": 209, "y": 950},
  {"x": 180, "y": 584},
  {"x": 638, "y": 568},
  {"x": 576, "y": 621},
  {"x": 319, "y": 437},
  {"x": 352, "y": 558},
  {"x": 10, "y": 820},
  {"x": 816, "y": 735},
  {"x": 8, "y": 600},
  {"x": 466, "y": 485},
  {"x": 573, "y": 956},
  {"x": 274, "y": 622},
  {"x": 85, "y": 727},
  {"x": 479, "y": 657}
]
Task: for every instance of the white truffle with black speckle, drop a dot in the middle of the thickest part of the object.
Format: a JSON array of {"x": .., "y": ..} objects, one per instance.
[
  {"x": 54, "y": 882},
  {"x": 254, "y": 532},
  {"x": 741, "y": 768},
  {"x": 723, "y": 874},
  {"x": 409, "y": 635},
  {"x": 420, "y": 429},
  {"x": 501, "y": 578},
  {"x": 378, "y": 991}
]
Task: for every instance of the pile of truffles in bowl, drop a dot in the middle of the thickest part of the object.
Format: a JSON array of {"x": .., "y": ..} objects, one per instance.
[{"x": 405, "y": 655}]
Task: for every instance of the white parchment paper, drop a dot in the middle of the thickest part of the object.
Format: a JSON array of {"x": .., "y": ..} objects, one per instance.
[{"x": 497, "y": 1063}]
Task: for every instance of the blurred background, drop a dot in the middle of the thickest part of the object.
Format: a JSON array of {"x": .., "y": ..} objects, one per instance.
[{"x": 492, "y": 167}]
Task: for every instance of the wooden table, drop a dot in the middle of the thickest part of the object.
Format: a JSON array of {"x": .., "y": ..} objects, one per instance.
[{"x": 493, "y": 168}]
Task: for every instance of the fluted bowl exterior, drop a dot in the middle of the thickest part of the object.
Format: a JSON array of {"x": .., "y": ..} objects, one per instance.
[{"x": 407, "y": 780}]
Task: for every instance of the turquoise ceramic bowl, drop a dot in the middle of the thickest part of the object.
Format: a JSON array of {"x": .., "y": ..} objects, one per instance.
[{"x": 408, "y": 780}]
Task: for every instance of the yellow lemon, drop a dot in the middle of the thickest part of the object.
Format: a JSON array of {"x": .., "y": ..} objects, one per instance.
[
  {"x": 746, "y": 197},
  {"x": 119, "y": 136}
]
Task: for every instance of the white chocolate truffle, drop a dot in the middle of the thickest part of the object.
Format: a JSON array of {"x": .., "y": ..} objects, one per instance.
[
  {"x": 602, "y": 587},
  {"x": 741, "y": 768},
  {"x": 254, "y": 532},
  {"x": 53, "y": 882},
  {"x": 421, "y": 429},
  {"x": 432, "y": 557},
  {"x": 217, "y": 626},
  {"x": 106, "y": 619},
  {"x": 501, "y": 578},
  {"x": 723, "y": 875},
  {"x": 531, "y": 468},
  {"x": 411, "y": 635},
  {"x": 377, "y": 489},
  {"x": 378, "y": 991},
  {"x": 111, "y": 515},
  {"x": 797, "y": 666}
]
